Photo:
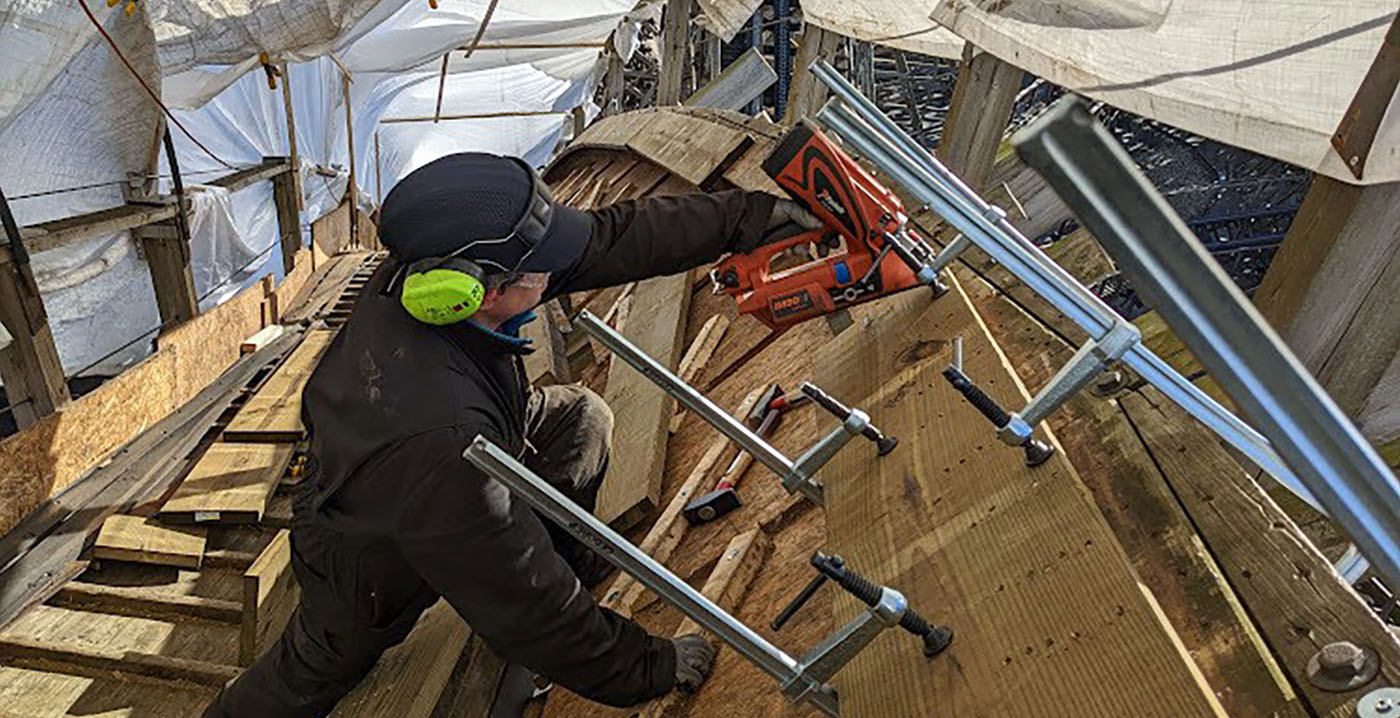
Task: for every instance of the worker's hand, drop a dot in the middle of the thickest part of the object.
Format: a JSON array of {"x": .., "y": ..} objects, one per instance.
[
  {"x": 789, "y": 218},
  {"x": 694, "y": 659}
]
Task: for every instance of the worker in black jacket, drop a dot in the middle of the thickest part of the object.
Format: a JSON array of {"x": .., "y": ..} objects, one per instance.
[{"x": 391, "y": 516}]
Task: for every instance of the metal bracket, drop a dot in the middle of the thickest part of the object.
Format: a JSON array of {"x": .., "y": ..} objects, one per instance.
[
  {"x": 1094, "y": 357},
  {"x": 836, "y": 650}
]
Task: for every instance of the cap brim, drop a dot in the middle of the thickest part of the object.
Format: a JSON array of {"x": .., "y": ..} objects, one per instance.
[{"x": 563, "y": 243}]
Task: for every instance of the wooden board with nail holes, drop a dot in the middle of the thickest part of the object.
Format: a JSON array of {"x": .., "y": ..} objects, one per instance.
[
  {"x": 1049, "y": 618},
  {"x": 231, "y": 483},
  {"x": 142, "y": 540},
  {"x": 410, "y": 677},
  {"x": 274, "y": 413}
]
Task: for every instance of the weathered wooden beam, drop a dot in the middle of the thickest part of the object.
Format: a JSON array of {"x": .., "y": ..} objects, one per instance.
[
  {"x": 270, "y": 593},
  {"x": 286, "y": 200},
  {"x": 983, "y": 96},
  {"x": 168, "y": 258},
  {"x": 35, "y": 385},
  {"x": 613, "y": 82},
  {"x": 745, "y": 78},
  {"x": 675, "y": 45},
  {"x": 93, "y": 662},
  {"x": 144, "y": 602},
  {"x": 1333, "y": 289},
  {"x": 270, "y": 167},
  {"x": 806, "y": 93},
  {"x": 293, "y": 159},
  {"x": 141, "y": 540}
]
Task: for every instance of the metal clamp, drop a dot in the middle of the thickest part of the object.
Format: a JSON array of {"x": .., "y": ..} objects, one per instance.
[{"x": 798, "y": 475}]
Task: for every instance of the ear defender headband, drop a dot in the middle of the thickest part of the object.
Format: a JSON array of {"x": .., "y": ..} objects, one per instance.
[{"x": 446, "y": 290}]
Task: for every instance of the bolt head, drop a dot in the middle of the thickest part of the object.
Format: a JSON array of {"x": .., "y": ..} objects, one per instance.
[{"x": 1341, "y": 659}]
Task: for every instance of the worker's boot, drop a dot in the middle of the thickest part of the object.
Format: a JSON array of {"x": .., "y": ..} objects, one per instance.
[{"x": 519, "y": 685}]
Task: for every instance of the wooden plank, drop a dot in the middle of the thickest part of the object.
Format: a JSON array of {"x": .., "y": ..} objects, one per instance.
[
  {"x": 806, "y": 93},
  {"x": 99, "y": 662},
  {"x": 274, "y": 413},
  {"x": 675, "y": 46},
  {"x": 59, "y": 233},
  {"x": 143, "y": 540},
  {"x": 1298, "y": 600},
  {"x": 40, "y": 694},
  {"x": 267, "y": 169},
  {"x": 698, "y": 355},
  {"x": 666, "y": 534},
  {"x": 1049, "y": 616},
  {"x": 631, "y": 488},
  {"x": 471, "y": 689},
  {"x": 168, "y": 258},
  {"x": 144, "y": 602},
  {"x": 316, "y": 297},
  {"x": 688, "y": 146},
  {"x": 262, "y": 338},
  {"x": 231, "y": 484},
  {"x": 60, "y": 630},
  {"x": 410, "y": 677},
  {"x": 978, "y": 114},
  {"x": 726, "y": 586},
  {"x": 287, "y": 201},
  {"x": 549, "y": 363},
  {"x": 743, "y": 80},
  {"x": 270, "y": 594}
]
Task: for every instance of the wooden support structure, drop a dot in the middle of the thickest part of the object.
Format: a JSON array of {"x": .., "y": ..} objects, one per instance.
[
  {"x": 168, "y": 257},
  {"x": 274, "y": 413},
  {"x": 675, "y": 52},
  {"x": 293, "y": 159},
  {"x": 1049, "y": 616},
  {"x": 806, "y": 93},
  {"x": 1333, "y": 289},
  {"x": 139, "y": 539},
  {"x": 352, "y": 191},
  {"x": 140, "y": 601},
  {"x": 231, "y": 484},
  {"x": 632, "y": 487},
  {"x": 287, "y": 199},
  {"x": 983, "y": 97},
  {"x": 102, "y": 662},
  {"x": 270, "y": 594},
  {"x": 35, "y": 385}
]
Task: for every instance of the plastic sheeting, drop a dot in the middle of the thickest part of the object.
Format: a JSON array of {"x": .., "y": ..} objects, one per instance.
[
  {"x": 71, "y": 116},
  {"x": 1272, "y": 76},
  {"x": 900, "y": 24}
]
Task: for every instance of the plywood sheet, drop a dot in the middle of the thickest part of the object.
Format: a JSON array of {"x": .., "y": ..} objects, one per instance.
[
  {"x": 231, "y": 484},
  {"x": 274, "y": 413},
  {"x": 143, "y": 540},
  {"x": 1049, "y": 618}
]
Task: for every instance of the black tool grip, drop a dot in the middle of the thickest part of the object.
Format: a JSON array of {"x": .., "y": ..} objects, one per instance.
[
  {"x": 936, "y": 638},
  {"x": 985, "y": 404}
]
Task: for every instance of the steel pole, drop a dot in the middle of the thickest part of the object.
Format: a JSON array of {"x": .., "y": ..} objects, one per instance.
[
  {"x": 1097, "y": 179},
  {"x": 618, "y": 551}
]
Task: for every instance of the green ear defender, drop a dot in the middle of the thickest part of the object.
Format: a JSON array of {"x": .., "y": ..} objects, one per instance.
[{"x": 442, "y": 291}]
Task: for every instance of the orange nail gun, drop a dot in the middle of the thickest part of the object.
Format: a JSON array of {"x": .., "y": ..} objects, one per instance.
[{"x": 865, "y": 250}]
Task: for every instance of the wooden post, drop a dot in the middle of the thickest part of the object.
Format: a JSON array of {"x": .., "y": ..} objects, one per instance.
[
  {"x": 378, "y": 172},
  {"x": 1333, "y": 290},
  {"x": 711, "y": 56},
  {"x": 351, "y": 193},
  {"x": 675, "y": 37},
  {"x": 167, "y": 248},
  {"x": 978, "y": 114},
  {"x": 613, "y": 82},
  {"x": 806, "y": 93},
  {"x": 284, "y": 198},
  {"x": 34, "y": 382},
  {"x": 292, "y": 155}
]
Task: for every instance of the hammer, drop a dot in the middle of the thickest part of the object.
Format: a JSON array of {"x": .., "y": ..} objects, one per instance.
[{"x": 766, "y": 414}]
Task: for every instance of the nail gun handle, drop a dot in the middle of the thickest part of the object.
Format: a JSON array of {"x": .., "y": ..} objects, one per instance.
[{"x": 975, "y": 396}]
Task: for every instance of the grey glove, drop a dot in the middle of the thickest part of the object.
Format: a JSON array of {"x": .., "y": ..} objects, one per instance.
[
  {"x": 787, "y": 212},
  {"x": 694, "y": 659}
]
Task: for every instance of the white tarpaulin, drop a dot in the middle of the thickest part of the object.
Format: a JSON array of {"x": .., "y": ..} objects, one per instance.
[
  {"x": 72, "y": 115},
  {"x": 1272, "y": 76},
  {"x": 900, "y": 24}
]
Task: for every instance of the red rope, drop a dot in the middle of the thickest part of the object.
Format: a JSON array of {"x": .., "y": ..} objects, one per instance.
[{"x": 154, "y": 97}]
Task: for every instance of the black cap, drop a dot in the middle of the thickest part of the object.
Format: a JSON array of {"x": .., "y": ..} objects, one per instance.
[{"x": 453, "y": 201}]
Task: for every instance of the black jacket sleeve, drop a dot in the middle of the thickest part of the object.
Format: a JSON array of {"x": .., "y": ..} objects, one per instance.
[
  {"x": 491, "y": 558},
  {"x": 657, "y": 236}
]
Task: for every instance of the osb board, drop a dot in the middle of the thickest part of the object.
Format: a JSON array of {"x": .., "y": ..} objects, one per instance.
[
  {"x": 274, "y": 413},
  {"x": 143, "y": 540},
  {"x": 40, "y": 461},
  {"x": 331, "y": 233},
  {"x": 230, "y": 483},
  {"x": 410, "y": 677},
  {"x": 208, "y": 344},
  {"x": 40, "y": 694},
  {"x": 1049, "y": 618}
]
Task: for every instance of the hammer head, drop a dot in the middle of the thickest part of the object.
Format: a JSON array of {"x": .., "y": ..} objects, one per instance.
[
  {"x": 711, "y": 506},
  {"x": 760, "y": 409}
]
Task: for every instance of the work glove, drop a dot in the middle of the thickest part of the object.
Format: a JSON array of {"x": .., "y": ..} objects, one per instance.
[
  {"x": 694, "y": 659},
  {"x": 788, "y": 219}
]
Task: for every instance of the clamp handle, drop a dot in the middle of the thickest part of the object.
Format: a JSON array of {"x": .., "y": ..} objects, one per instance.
[
  {"x": 977, "y": 398},
  {"x": 936, "y": 638},
  {"x": 884, "y": 444}
]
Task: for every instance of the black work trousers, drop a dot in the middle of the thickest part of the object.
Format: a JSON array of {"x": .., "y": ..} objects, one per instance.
[{"x": 360, "y": 597}]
